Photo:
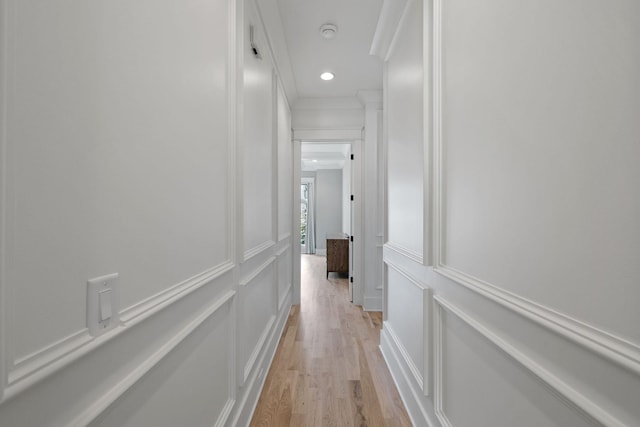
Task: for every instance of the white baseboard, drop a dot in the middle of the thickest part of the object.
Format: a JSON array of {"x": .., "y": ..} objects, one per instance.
[
  {"x": 411, "y": 395},
  {"x": 254, "y": 384}
]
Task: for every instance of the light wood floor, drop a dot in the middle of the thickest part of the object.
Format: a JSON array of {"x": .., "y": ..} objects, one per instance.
[{"x": 328, "y": 369}]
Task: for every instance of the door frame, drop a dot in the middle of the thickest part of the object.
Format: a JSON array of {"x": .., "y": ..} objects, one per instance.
[{"x": 331, "y": 136}]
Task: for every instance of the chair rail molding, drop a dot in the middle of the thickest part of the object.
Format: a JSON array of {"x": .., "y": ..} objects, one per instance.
[
  {"x": 608, "y": 345},
  {"x": 584, "y": 406}
]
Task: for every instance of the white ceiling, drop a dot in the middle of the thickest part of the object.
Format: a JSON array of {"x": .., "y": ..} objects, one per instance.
[
  {"x": 324, "y": 156},
  {"x": 346, "y": 55}
]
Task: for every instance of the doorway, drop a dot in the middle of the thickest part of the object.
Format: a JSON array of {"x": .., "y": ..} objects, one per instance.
[{"x": 326, "y": 176}]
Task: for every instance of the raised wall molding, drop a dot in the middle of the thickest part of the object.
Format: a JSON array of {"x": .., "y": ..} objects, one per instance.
[
  {"x": 283, "y": 250},
  {"x": 251, "y": 362},
  {"x": 258, "y": 249},
  {"x": 283, "y": 298},
  {"x": 251, "y": 277},
  {"x": 32, "y": 369},
  {"x": 255, "y": 352},
  {"x": 249, "y": 399},
  {"x": 406, "y": 252},
  {"x": 406, "y": 358},
  {"x": 561, "y": 389},
  {"x": 410, "y": 396},
  {"x": 425, "y": 378},
  {"x": 109, "y": 398},
  {"x": 152, "y": 305},
  {"x": 284, "y": 236},
  {"x": 605, "y": 344}
]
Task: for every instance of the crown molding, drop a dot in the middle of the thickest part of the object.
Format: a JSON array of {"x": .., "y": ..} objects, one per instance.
[
  {"x": 390, "y": 15},
  {"x": 337, "y": 103}
]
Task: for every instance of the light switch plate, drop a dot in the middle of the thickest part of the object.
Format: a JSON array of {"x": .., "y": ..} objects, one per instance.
[{"x": 102, "y": 299}]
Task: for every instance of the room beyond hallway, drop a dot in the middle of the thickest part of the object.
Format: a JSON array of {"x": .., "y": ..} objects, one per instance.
[{"x": 328, "y": 369}]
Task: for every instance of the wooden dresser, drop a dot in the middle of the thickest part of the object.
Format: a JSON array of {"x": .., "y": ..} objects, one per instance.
[{"x": 337, "y": 253}]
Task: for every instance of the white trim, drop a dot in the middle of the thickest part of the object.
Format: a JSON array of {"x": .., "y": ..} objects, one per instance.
[
  {"x": 561, "y": 389},
  {"x": 405, "y": 252},
  {"x": 371, "y": 99},
  {"x": 109, "y": 398},
  {"x": 275, "y": 185},
  {"x": 412, "y": 400},
  {"x": 438, "y": 348},
  {"x": 257, "y": 250},
  {"x": 285, "y": 294},
  {"x": 427, "y": 146},
  {"x": 37, "y": 364},
  {"x": 283, "y": 250},
  {"x": 232, "y": 132},
  {"x": 150, "y": 306},
  {"x": 284, "y": 236},
  {"x": 399, "y": 27},
  {"x": 255, "y": 352},
  {"x": 390, "y": 16},
  {"x": 406, "y": 357},
  {"x": 413, "y": 279},
  {"x": 34, "y": 368},
  {"x": 251, "y": 277},
  {"x": 243, "y": 411},
  {"x": 425, "y": 382},
  {"x": 251, "y": 361},
  {"x": 614, "y": 348}
]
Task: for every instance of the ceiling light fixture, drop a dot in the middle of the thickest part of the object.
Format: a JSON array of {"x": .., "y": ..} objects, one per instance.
[
  {"x": 328, "y": 31},
  {"x": 327, "y": 76}
]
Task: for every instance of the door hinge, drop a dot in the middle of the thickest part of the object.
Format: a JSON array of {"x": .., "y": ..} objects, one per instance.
[
  {"x": 352, "y": 157},
  {"x": 352, "y": 197},
  {"x": 351, "y": 279},
  {"x": 352, "y": 238}
]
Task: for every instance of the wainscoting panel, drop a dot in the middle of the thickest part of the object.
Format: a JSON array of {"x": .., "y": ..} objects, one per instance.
[
  {"x": 196, "y": 370},
  {"x": 470, "y": 359},
  {"x": 408, "y": 323},
  {"x": 258, "y": 295},
  {"x": 284, "y": 275}
]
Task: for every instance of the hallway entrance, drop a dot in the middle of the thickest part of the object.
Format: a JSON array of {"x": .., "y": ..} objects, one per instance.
[{"x": 328, "y": 369}]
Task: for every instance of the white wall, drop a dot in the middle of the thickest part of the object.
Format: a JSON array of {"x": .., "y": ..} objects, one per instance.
[
  {"x": 328, "y": 205},
  {"x": 123, "y": 151},
  {"x": 526, "y": 314}
]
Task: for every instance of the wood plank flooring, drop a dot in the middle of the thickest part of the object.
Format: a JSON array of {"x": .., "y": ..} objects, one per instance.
[{"x": 328, "y": 369}]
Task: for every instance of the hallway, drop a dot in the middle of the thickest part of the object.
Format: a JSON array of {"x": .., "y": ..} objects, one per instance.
[{"x": 328, "y": 369}]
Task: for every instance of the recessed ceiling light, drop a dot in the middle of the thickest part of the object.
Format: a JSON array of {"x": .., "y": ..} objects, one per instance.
[
  {"x": 314, "y": 161},
  {"x": 327, "y": 76}
]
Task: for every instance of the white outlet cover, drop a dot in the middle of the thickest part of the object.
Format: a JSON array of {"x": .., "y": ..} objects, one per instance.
[{"x": 94, "y": 288}]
